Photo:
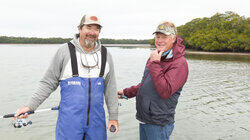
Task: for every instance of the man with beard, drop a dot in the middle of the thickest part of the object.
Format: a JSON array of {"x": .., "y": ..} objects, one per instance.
[
  {"x": 84, "y": 70},
  {"x": 164, "y": 76}
]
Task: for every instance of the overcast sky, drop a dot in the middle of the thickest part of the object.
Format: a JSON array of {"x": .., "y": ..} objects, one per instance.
[{"x": 130, "y": 19}]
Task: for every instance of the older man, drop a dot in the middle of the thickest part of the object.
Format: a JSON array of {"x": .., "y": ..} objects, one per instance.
[
  {"x": 84, "y": 69},
  {"x": 157, "y": 95}
]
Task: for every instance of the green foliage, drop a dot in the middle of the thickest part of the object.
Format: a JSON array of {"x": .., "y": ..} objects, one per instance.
[
  {"x": 152, "y": 41},
  {"x": 123, "y": 41},
  {"x": 33, "y": 40},
  {"x": 24, "y": 40},
  {"x": 221, "y": 32}
]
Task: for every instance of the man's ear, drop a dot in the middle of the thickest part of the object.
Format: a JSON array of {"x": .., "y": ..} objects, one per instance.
[{"x": 174, "y": 39}]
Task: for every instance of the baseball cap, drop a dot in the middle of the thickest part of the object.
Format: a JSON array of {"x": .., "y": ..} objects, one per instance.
[
  {"x": 165, "y": 29},
  {"x": 90, "y": 19}
]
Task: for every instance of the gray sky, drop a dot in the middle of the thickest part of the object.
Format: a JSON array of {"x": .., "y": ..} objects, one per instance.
[{"x": 130, "y": 19}]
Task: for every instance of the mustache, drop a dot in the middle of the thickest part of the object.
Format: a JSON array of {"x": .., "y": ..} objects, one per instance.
[{"x": 91, "y": 36}]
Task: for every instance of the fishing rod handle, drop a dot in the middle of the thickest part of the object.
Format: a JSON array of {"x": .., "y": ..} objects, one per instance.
[
  {"x": 112, "y": 128},
  {"x": 124, "y": 97},
  {"x": 13, "y": 115}
]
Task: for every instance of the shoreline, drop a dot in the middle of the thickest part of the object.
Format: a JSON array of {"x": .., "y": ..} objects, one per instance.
[
  {"x": 216, "y": 53},
  {"x": 187, "y": 51}
]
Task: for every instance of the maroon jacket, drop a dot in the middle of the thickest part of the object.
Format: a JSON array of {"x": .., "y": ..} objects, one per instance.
[{"x": 168, "y": 75}]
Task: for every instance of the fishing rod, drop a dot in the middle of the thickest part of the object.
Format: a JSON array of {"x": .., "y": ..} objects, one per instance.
[
  {"x": 43, "y": 110},
  {"x": 22, "y": 122},
  {"x": 30, "y": 112}
]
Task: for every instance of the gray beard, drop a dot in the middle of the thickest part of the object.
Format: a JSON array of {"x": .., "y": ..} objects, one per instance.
[{"x": 89, "y": 44}]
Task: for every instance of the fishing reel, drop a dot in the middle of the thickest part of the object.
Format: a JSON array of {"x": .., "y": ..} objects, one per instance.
[{"x": 21, "y": 122}]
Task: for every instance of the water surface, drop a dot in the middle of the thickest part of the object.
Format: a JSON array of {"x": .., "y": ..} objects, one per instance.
[{"x": 214, "y": 103}]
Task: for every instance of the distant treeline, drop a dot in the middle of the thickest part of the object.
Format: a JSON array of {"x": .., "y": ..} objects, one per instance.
[
  {"x": 33, "y": 40},
  {"x": 124, "y": 41},
  {"x": 221, "y": 32}
]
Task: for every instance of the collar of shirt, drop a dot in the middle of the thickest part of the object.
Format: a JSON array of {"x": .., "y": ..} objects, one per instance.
[{"x": 169, "y": 54}]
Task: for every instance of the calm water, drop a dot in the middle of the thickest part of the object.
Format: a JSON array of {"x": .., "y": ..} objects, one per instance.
[{"x": 215, "y": 102}]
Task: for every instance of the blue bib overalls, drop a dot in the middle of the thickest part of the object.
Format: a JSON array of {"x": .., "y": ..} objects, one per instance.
[{"x": 81, "y": 113}]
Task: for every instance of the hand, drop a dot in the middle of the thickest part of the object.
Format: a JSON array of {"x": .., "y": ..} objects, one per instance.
[
  {"x": 115, "y": 123},
  {"x": 155, "y": 55},
  {"x": 22, "y": 110},
  {"x": 120, "y": 92}
]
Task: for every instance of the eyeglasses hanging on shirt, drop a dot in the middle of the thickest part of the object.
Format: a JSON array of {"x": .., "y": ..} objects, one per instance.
[{"x": 89, "y": 67}]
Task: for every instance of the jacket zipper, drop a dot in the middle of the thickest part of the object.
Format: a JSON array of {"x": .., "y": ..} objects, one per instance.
[
  {"x": 89, "y": 101},
  {"x": 143, "y": 82},
  {"x": 138, "y": 99}
]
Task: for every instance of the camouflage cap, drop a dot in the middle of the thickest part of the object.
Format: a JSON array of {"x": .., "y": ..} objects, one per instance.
[
  {"x": 90, "y": 19},
  {"x": 165, "y": 29}
]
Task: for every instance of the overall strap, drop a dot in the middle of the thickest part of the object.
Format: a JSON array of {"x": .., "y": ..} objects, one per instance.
[
  {"x": 74, "y": 66},
  {"x": 104, "y": 59}
]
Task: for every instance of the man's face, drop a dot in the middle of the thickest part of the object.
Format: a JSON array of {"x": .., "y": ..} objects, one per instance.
[
  {"x": 89, "y": 34},
  {"x": 164, "y": 42}
]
